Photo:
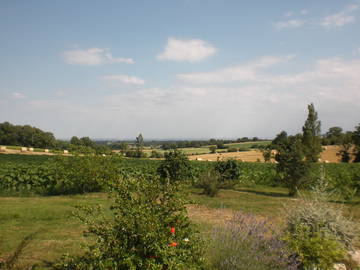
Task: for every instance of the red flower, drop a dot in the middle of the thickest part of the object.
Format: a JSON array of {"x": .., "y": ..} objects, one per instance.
[
  {"x": 172, "y": 230},
  {"x": 173, "y": 244}
]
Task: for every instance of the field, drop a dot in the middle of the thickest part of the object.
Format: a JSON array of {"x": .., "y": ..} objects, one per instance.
[
  {"x": 329, "y": 154},
  {"x": 57, "y": 232}
]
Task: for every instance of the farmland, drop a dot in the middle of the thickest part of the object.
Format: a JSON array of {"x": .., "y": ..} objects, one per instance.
[{"x": 256, "y": 191}]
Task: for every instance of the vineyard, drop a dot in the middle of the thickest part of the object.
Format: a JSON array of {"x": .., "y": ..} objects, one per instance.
[{"x": 44, "y": 175}]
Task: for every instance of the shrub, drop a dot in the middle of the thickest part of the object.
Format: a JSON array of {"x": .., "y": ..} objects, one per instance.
[
  {"x": 156, "y": 154},
  {"x": 232, "y": 149},
  {"x": 148, "y": 229},
  {"x": 228, "y": 170},
  {"x": 248, "y": 243},
  {"x": 318, "y": 233},
  {"x": 209, "y": 181},
  {"x": 175, "y": 167},
  {"x": 212, "y": 149}
]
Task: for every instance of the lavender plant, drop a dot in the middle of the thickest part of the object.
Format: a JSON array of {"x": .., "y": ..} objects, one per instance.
[{"x": 249, "y": 243}]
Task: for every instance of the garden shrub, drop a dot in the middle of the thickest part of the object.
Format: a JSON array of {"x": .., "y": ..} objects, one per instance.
[
  {"x": 209, "y": 181},
  {"x": 318, "y": 233},
  {"x": 228, "y": 170},
  {"x": 249, "y": 243},
  {"x": 148, "y": 229},
  {"x": 175, "y": 167}
]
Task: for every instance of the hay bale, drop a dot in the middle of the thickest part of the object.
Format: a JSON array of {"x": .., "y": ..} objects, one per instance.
[
  {"x": 31, "y": 149},
  {"x": 2, "y": 148},
  {"x": 46, "y": 150},
  {"x": 23, "y": 149}
]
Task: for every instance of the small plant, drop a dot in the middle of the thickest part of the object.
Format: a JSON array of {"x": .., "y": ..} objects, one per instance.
[
  {"x": 318, "y": 233},
  {"x": 249, "y": 243}
]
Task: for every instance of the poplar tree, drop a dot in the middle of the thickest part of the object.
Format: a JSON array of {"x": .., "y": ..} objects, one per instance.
[{"x": 311, "y": 138}]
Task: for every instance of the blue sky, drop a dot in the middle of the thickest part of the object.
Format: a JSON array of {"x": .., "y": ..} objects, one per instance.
[{"x": 179, "y": 69}]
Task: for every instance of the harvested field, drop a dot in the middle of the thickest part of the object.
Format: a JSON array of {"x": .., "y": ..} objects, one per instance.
[{"x": 328, "y": 155}]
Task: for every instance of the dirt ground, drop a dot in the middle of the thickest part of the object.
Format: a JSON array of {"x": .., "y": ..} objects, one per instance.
[{"x": 329, "y": 154}]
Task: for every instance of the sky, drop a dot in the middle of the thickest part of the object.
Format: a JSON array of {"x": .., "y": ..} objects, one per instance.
[{"x": 179, "y": 68}]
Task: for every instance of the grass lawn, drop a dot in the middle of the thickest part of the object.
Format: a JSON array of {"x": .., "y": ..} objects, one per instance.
[{"x": 59, "y": 233}]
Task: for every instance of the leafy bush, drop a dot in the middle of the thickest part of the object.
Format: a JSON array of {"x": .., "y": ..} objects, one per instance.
[
  {"x": 156, "y": 154},
  {"x": 175, "y": 167},
  {"x": 148, "y": 229},
  {"x": 232, "y": 149},
  {"x": 209, "y": 181},
  {"x": 318, "y": 233},
  {"x": 228, "y": 170},
  {"x": 249, "y": 243}
]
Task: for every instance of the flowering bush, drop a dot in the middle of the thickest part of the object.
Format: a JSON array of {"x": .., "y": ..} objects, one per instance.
[
  {"x": 148, "y": 229},
  {"x": 248, "y": 243}
]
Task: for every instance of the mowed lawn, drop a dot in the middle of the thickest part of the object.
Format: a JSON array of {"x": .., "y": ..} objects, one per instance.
[{"x": 57, "y": 232}]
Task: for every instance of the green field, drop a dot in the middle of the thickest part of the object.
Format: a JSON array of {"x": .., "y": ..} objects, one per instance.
[{"x": 58, "y": 233}]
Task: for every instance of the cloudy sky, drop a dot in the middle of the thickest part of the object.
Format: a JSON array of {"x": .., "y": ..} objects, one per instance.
[{"x": 180, "y": 68}]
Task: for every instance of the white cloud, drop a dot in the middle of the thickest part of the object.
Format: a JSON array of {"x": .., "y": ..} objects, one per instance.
[
  {"x": 93, "y": 57},
  {"x": 341, "y": 18},
  {"x": 261, "y": 104},
  {"x": 289, "y": 14},
  {"x": 191, "y": 50},
  {"x": 17, "y": 95},
  {"x": 123, "y": 79},
  {"x": 244, "y": 72},
  {"x": 304, "y": 12},
  {"x": 289, "y": 24}
]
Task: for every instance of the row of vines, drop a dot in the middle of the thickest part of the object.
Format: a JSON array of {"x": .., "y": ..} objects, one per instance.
[{"x": 74, "y": 175}]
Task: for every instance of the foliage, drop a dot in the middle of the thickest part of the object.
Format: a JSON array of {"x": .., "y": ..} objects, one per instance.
[
  {"x": 139, "y": 143},
  {"x": 210, "y": 182},
  {"x": 318, "y": 233},
  {"x": 213, "y": 149},
  {"x": 61, "y": 175},
  {"x": 356, "y": 139},
  {"x": 334, "y": 136},
  {"x": 232, "y": 149},
  {"x": 25, "y": 136},
  {"x": 175, "y": 167},
  {"x": 249, "y": 243},
  {"x": 291, "y": 166},
  {"x": 156, "y": 154},
  {"x": 267, "y": 152},
  {"x": 311, "y": 138},
  {"x": 148, "y": 229},
  {"x": 346, "y": 146},
  {"x": 228, "y": 170}
]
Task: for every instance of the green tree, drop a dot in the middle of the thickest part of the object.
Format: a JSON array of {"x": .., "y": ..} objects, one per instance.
[
  {"x": 212, "y": 149},
  {"x": 356, "y": 140},
  {"x": 292, "y": 167},
  {"x": 175, "y": 167},
  {"x": 139, "y": 143},
  {"x": 335, "y": 135},
  {"x": 311, "y": 138},
  {"x": 345, "y": 148},
  {"x": 124, "y": 146}
]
